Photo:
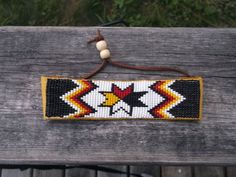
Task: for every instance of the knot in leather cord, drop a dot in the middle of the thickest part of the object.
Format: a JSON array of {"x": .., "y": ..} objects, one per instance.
[{"x": 97, "y": 38}]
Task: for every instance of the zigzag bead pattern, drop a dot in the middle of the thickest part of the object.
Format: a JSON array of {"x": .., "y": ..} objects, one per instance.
[{"x": 176, "y": 99}]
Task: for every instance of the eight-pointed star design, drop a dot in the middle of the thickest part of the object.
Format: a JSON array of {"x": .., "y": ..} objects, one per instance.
[{"x": 122, "y": 99}]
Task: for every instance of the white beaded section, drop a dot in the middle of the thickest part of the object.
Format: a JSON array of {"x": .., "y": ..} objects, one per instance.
[
  {"x": 101, "y": 45},
  {"x": 104, "y": 54}
]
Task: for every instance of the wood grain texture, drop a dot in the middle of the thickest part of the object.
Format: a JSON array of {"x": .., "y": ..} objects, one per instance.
[
  {"x": 26, "y": 53},
  {"x": 209, "y": 171},
  {"x": 231, "y": 171},
  {"x": 16, "y": 173},
  {"x": 176, "y": 171},
  {"x": 48, "y": 173},
  {"x": 148, "y": 170},
  {"x": 80, "y": 172}
]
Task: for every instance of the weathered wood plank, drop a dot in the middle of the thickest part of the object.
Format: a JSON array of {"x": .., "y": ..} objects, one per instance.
[
  {"x": 209, "y": 171},
  {"x": 16, "y": 173},
  {"x": 48, "y": 173},
  {"x": 148, "y": 170},
  {"x": 176, "y": 171},
  {"x": 80, "y": 172},
  {"x": 231, "y": 171},
  {"x": 27, "y": 53}
]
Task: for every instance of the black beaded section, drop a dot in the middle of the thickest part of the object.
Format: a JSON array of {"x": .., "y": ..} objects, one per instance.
[
  {"x": 189, "y": 108},
  {"x": 55, "y": 106}
]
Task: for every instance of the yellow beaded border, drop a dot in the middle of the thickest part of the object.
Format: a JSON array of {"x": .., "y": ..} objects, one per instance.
[{"x": 43, "y": 90}]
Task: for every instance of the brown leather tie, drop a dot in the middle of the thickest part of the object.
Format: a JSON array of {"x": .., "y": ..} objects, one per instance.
[{"x": 106, "y": 61}]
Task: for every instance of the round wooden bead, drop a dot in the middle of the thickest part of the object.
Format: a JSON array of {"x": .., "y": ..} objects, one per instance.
[
  {"x": 104, "y": 54},
  {"x": 101, "y": 45}
]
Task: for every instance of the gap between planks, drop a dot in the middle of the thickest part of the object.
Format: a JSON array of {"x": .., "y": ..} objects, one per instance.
[{"x": 145, "y": 171}]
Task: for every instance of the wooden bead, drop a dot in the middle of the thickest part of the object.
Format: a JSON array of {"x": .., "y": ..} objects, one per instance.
[
  {"x": 101, "y": 45},
  {"x": 104, "y": 54}
]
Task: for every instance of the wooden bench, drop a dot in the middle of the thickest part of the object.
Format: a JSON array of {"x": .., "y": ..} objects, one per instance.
[
  {"x": 132, "y": 171},
  {"x": 26, "y": 53}
]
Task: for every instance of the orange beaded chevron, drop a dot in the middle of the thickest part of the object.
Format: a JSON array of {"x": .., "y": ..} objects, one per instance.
[
  {"x": 73, "y": 98},
  {"x": 172, "y": 99}
]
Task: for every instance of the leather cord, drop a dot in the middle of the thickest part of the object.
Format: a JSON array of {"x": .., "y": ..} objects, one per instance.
[
  {"x": 106, "y": 61},
  {"x": 96, "y": 70},
  {"x": 147, "y": 68}
]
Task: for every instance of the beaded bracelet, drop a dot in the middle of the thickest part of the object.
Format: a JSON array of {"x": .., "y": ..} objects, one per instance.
[{"x": 86, "y": 99}]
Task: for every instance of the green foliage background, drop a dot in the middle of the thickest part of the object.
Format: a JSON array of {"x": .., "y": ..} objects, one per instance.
[{"x": 195, "y": 13}]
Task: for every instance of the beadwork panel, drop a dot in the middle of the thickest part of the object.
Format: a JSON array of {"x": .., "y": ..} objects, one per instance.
[{"x": 144, "y": 99}]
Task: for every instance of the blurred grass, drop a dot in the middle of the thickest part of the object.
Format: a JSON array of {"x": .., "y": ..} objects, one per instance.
[{"x": 195, "y": 13}]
